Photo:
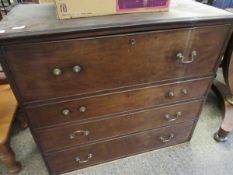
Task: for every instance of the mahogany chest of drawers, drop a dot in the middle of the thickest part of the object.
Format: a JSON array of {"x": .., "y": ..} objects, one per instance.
[{"x": 102, "y": 88}]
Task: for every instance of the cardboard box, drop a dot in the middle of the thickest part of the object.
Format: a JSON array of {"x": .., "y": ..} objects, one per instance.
[{"x": 84, "y": 8}]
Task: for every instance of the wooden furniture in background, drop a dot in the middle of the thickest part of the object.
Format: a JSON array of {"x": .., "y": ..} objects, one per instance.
[
  {"x": 8, "y": 107},
  {"x": 102, "y": 88},
  {"x": 224, "y": 91},
  {"x": 6, "y": 6},
  {"x": 20, "y": 116},
  {"x": 31, "y": 1}
]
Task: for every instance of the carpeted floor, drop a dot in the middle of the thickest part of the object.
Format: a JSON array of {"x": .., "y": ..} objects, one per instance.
[{"x": 202, "y": 156}]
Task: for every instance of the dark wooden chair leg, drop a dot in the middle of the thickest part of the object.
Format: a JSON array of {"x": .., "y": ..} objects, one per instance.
[{"x": 7, "y": 157}]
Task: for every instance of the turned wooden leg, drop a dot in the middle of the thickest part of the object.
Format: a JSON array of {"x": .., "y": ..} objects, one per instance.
[
  {"x": 227, "y": 104},
  {"x": 7, "y": 157}
]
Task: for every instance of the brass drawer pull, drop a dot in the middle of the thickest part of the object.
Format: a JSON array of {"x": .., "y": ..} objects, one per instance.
[
  {"x": 57, "y": 72},
  {"x": 164, "y": 140},
  {"x": 89, "y": 157},
  {"x": 171, "y": 94},
  {"x": 74, "y": 134},
  {"x": 83, "y": 109},
  {"x": 171, "y": 118},
  {"x": 77, "y": 69},
  {"x": 66, "y": 112},
  {"x": 181, "y": 57},
  {"x": 184, "y": 91}
]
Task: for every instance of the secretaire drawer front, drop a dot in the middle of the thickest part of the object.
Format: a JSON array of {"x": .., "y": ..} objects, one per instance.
[
  {"x": 106, "y": 104},
  {"x": 81, "y": 157},
  {"x": 70, "y": 135},
  {"x": 58, "y": 69}
]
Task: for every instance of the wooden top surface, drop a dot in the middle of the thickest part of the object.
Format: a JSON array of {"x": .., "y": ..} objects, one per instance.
[
  {"x": 8, "y": 106},
  {"x": 41, "y": 19}
]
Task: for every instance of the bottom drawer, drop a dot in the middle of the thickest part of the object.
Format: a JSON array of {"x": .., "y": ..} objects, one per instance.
[{"x": 83, "y": 156}]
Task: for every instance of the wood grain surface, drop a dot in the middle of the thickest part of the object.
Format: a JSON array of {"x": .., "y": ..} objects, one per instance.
[
  {"x": 112, "y": 62},
  {"x": 109, "y": 104}
]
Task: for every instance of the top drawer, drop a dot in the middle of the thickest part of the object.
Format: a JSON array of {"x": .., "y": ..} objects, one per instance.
[{"x": 80, "y": 66}]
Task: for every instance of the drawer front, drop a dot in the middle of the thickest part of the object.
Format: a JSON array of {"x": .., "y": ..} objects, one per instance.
[
  {"x": 62, "y": 137},
  {"x": 82, "y": 66},
  {"x": 80, "y": 157},
  {"x": 109, "y": 104}
]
